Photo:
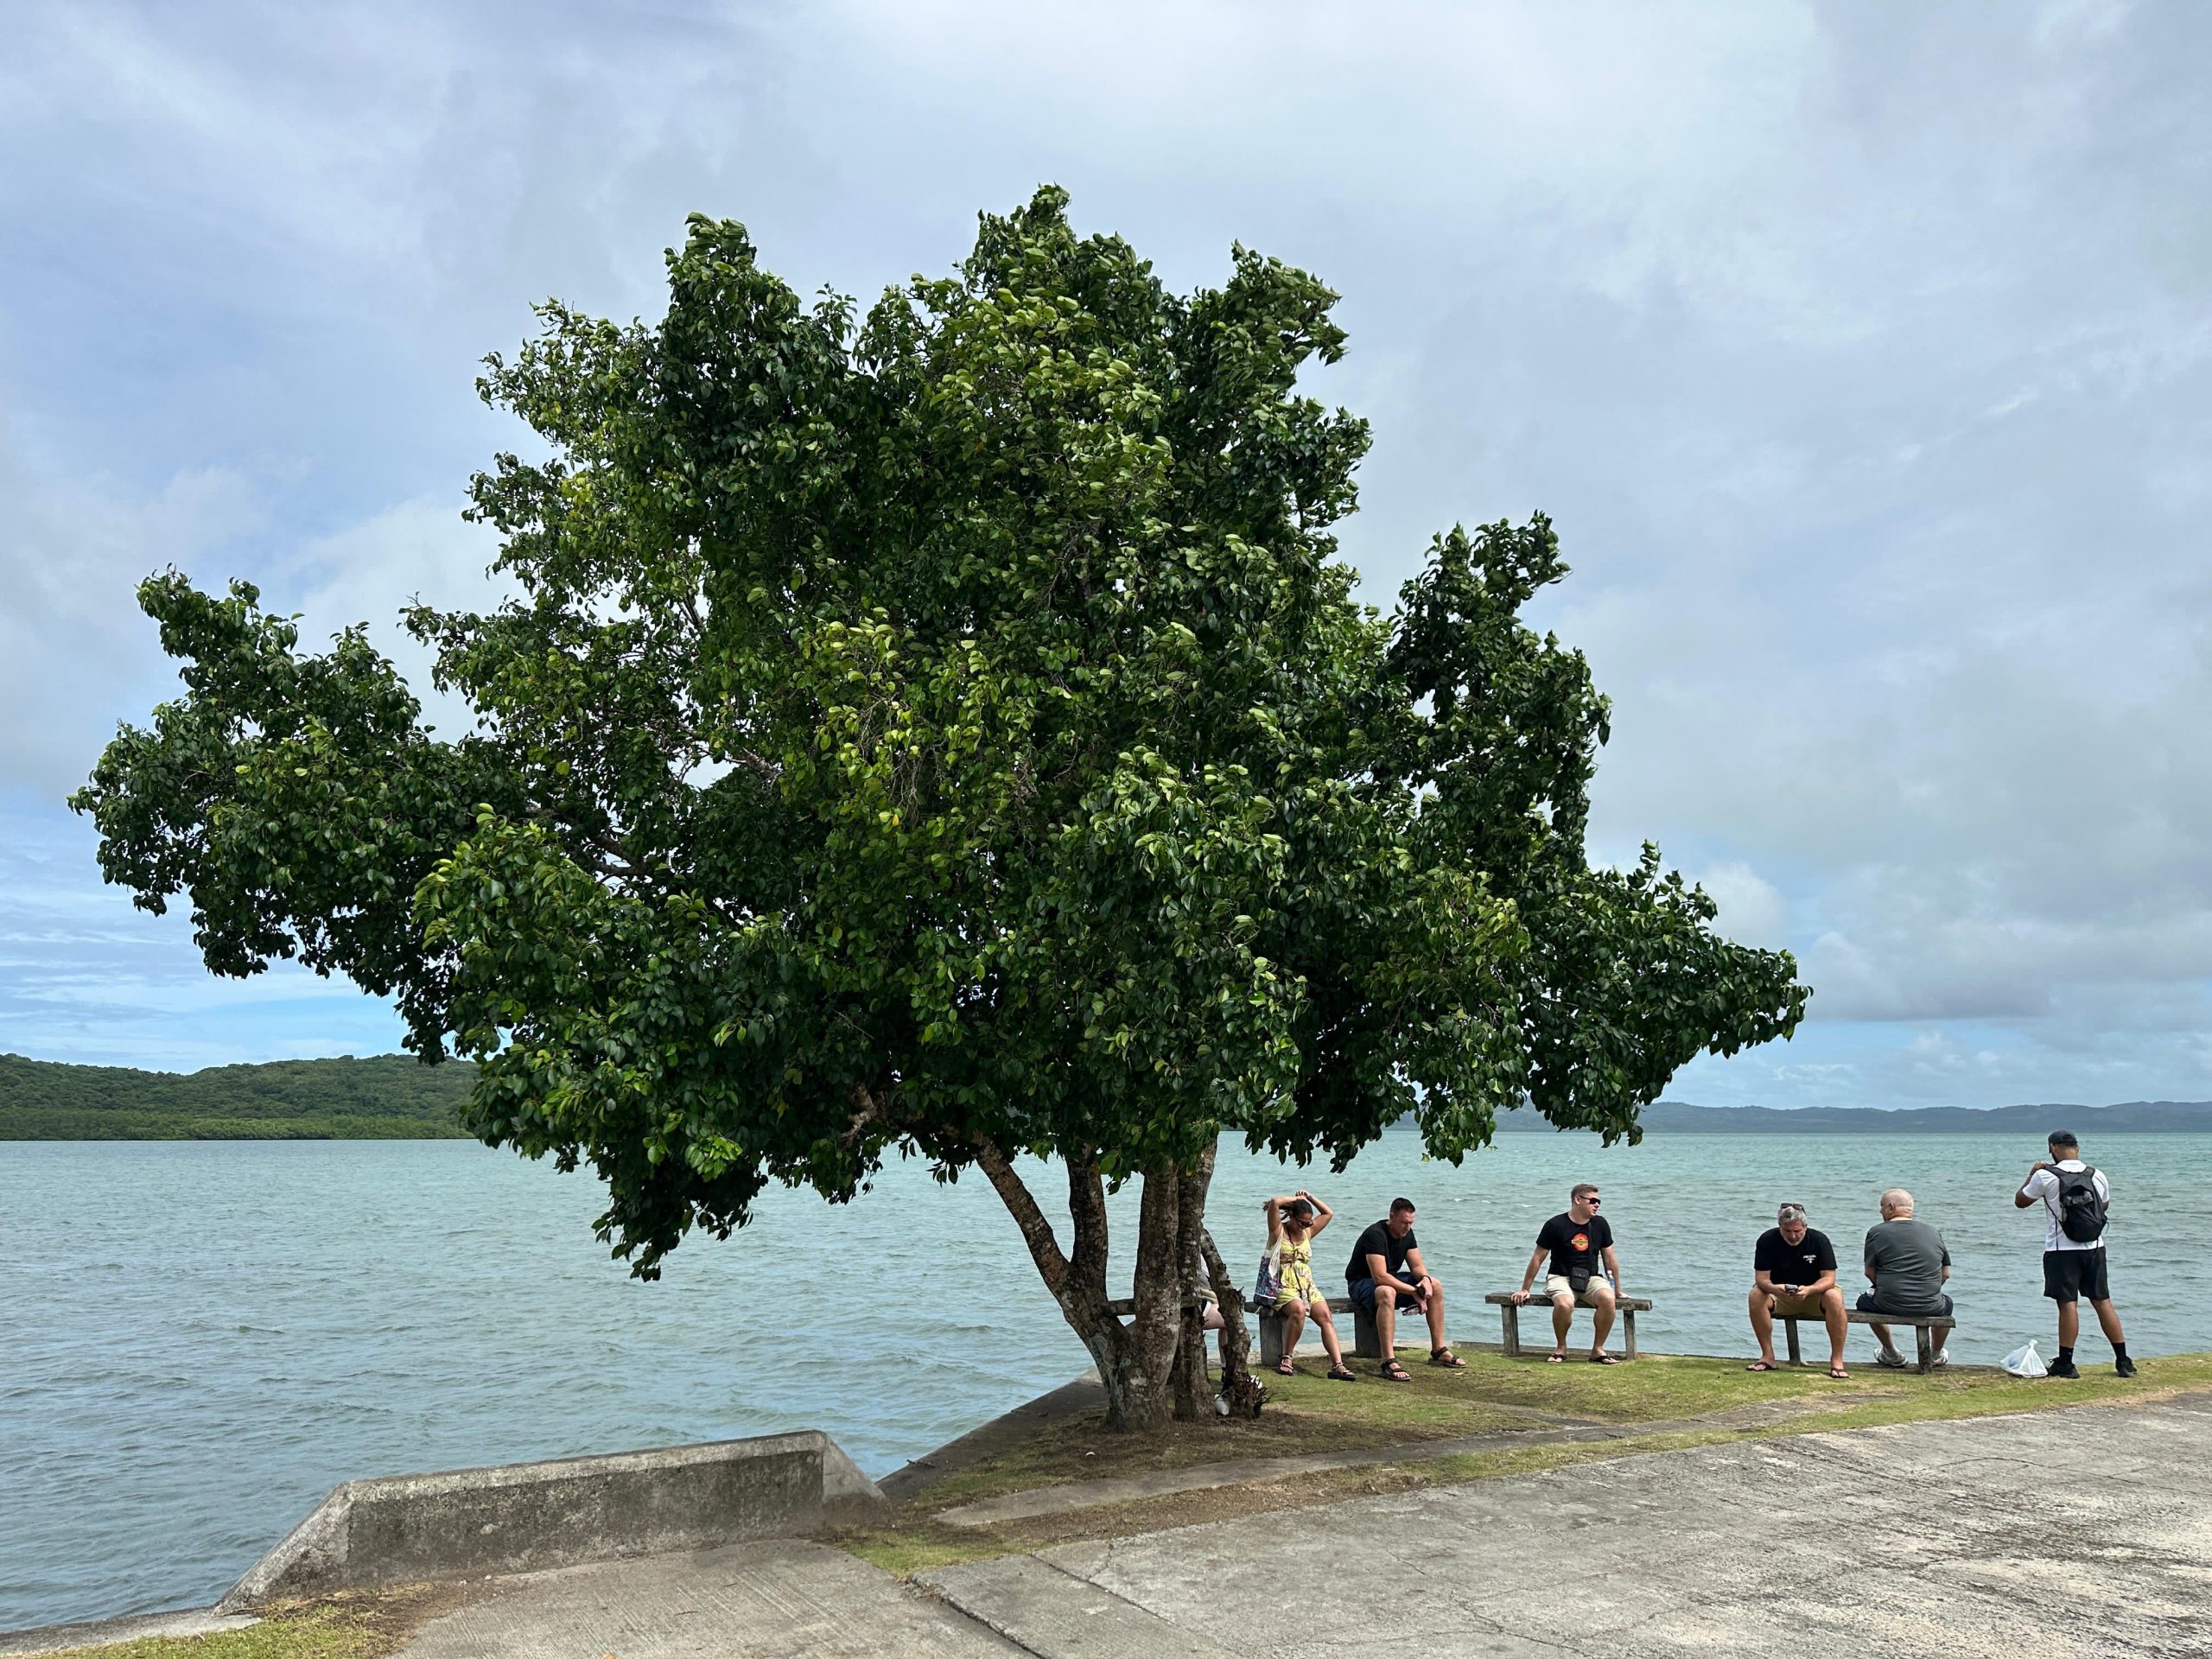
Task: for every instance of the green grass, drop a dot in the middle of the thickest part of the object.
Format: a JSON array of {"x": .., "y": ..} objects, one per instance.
[
  {"x": 1306, "y": 1413},
  {"x": 1699, "y": 1401},
  {"x": 354, "y": 1627}
]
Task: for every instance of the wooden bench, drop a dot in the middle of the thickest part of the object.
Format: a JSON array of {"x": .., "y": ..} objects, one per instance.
[
  {"x": 1924, "y": 1327},
  {"x": 1628, "y": 1307}
]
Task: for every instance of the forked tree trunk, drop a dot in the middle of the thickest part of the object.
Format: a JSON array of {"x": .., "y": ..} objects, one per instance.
[{"x": 1136, "y": 1359}]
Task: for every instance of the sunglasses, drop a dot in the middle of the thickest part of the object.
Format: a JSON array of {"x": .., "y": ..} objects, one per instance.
[{"x": 1593, "y": 1201}]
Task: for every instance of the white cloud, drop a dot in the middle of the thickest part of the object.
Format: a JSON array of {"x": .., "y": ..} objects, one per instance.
[{"x": 1863, "y": 360}]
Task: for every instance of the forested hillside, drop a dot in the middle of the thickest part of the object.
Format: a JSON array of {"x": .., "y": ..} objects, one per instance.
[{"x": 389, "y": 1097}]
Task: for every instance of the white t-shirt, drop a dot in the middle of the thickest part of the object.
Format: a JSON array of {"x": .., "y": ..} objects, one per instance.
[{"x": 2044, "y": 1185}]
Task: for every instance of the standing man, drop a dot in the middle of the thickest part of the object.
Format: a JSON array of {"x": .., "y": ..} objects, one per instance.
[
  {"x": 1577, "y": 1241},
  {"x": 1386, "y": 1272},
  {"x": 1793, "y": 1274},
  {"x": 1908, "y": 1264},
  {"x": 2075, "y": 1196}
]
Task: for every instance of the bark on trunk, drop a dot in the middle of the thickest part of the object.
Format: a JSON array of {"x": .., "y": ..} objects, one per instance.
[
  {"x": 1239, "y": 1386},
  {"x": 1136, "y": 1359}
]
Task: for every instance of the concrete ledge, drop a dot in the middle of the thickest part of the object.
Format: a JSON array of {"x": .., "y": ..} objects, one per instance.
[{"x": 521, "y": 1517}]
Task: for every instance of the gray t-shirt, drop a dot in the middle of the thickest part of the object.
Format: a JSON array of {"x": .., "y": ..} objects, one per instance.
[{"x": 1908, "y": 1258}]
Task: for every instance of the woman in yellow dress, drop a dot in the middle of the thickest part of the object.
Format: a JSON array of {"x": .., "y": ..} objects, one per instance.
[{"x": 1292, "y": 1224}]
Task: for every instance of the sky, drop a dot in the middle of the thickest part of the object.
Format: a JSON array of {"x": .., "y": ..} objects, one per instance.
[{"x": 1862, "y": 356}]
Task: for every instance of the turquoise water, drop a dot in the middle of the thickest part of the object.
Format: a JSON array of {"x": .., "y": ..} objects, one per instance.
[{"x": 201, "y": 1338}]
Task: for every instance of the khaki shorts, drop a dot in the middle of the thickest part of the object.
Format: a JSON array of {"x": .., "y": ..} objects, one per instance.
[
  {"x": 1556, "y": 1286},
  {"x": 1786, "y": 1301}
]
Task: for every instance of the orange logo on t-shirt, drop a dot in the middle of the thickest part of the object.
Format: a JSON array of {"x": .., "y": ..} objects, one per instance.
[{"x": 1582, "y": 1241}]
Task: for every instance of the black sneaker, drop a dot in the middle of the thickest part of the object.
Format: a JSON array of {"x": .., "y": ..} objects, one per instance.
[
  {"x": 2123, "y": 1366},
  {"x": 2063, "y": 1368}
]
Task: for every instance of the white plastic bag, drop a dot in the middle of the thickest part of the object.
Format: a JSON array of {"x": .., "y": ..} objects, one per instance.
[{"x": 2026, "y": 1362}]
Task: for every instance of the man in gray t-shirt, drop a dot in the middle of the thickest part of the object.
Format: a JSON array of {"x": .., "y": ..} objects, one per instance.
[{"x": 1908, "y": 1262}]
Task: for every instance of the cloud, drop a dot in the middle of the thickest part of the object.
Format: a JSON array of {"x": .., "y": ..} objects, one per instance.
[{"x": 1865, "y": 361}]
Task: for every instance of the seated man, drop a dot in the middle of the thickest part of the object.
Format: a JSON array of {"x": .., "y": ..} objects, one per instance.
[
  {"x": 1577, "y": 1241},
  {"x": 1792, "y": 1275},
  {"x": 1385, "y": 1274},
  {"x": 1908, "y": 1262}
]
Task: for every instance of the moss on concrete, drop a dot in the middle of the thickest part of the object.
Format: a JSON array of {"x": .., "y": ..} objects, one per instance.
[{"x": 351, "y": 1627}]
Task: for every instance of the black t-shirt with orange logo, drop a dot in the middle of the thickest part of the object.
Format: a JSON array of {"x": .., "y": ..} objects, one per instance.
[{"x": 1574, "y": 1243}]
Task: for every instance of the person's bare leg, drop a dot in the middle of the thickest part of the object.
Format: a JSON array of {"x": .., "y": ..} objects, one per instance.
[
  {"x": 1386, "y": 1322},
  {"x": 2069, "y": 1322},
  {"x": 1601, "y": 1320},
  {"x": 1435, "y": 1317},
  {"x": 1327, "y": 1326},
  {"x": 1293, "y": 1321},
  {"x": 1838, "y": 1327},
  {"x": 1562, "y": 1317},
  {"x": 1762, "y": 1324},
  {"x": 1882, "y": 1335},
  {"x": 2108, "y": 1321}
]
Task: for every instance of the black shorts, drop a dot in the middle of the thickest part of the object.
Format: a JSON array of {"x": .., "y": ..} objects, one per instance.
[
  {"x": 2075, "y": 1276},
  {"x": 1868, "y": 1304}
]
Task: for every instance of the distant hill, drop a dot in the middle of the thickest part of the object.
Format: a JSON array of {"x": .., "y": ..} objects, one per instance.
[
  {"x": 389, "y": 1097},
  {"x": 2028, "y": 1122}
]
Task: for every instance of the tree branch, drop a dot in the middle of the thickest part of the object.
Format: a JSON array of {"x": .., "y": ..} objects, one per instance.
[{"x": 1036, "y": 1231}]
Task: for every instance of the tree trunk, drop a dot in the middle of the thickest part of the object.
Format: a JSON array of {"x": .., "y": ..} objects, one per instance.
[
  {"x": 1137, "y": 1361},
  {"x": 1239, "y": 1386}
]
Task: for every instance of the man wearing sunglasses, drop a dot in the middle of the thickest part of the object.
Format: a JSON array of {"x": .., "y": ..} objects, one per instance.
[{"x": 1577, "y": 1241}]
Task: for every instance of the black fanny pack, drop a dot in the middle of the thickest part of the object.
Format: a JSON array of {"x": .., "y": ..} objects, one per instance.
[{"x": 1577, "y": 1280}]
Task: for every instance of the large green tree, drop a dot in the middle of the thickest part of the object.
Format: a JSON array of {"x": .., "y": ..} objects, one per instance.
[{"x": 946, "y": 730}]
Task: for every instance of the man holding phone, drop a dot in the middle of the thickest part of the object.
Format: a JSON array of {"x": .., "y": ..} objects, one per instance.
[
  {"x": 2075, "y": 1198},
  {"x": 1577, "y": 1241}
]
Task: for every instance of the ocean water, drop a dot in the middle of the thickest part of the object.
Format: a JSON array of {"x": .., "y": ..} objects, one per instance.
[{"x": 197, "y": 1340}]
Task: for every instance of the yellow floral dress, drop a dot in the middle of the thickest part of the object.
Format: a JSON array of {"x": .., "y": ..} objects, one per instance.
[{"x": 1294, "y": 1271}]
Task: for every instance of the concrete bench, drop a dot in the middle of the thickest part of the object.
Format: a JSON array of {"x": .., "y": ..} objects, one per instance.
[
  {"x": 1366, "y": 1341},
  {"x": 1628, "y": 1307},
  {"x": 1924, "y": 1327}
]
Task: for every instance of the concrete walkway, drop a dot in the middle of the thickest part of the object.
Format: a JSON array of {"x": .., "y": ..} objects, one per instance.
[{"x": 2087, "y": 1532}]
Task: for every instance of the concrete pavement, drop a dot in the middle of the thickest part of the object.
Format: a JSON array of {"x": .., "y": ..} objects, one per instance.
[{"x": 2087, "y": 1532}]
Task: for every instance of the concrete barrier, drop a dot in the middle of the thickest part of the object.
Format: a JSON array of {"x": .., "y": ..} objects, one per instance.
[{"x": 521, "y": 1517}]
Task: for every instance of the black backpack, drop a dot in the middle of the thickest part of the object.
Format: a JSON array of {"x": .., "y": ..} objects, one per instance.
[{"x": 2080, "y": 1208}]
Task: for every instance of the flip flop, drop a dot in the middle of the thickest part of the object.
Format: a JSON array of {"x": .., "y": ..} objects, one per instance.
[
  {"x": 1838, "y": 1372},
  {"x": 1603, "y": 1359},
  {"x": 1555, "y": 1359},
  {"x": 1762, "y": 1365}
]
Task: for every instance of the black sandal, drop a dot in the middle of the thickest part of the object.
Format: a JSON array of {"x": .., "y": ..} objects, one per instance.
[
  {"x": 1393, "y": 1371},
  {"x": 1447, "y": 1359},
  {"x": 1342, "y": 1374}
]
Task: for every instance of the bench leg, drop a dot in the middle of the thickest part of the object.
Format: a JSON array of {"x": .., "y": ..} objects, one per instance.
[
  {"x": 1512, "y": 1329},
  {"x": 1366, "y": 1343},
  {"x": 1925, "y": 1339},
  {"x": 1270, "y": 1340},
  {"x": 1628, "y": 1332},
  {"x": 1796, "y": 1354}
]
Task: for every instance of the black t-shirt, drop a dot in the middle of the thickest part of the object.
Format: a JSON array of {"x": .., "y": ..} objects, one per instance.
[
  {"x": 1377, "y": 1240},
  {"x": 1574, "y": 1243},
  {"x": 1801, "y": 1263}
]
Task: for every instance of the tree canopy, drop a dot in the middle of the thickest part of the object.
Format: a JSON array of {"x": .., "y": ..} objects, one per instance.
[{"x": 946, "y": 728}]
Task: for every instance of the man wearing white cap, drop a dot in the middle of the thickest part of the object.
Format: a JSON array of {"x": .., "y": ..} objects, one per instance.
[{"x": 1794, "y": 1275}]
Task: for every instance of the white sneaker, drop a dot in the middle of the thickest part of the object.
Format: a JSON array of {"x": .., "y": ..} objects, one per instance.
[
  {"x": 1890, "y": 1358},
  {"x": 1942, "y": 1357}
]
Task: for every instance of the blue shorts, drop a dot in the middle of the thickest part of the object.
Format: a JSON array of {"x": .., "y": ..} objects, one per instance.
[
  {"x": 1361, "y": 1291},
  {"x": 1867, "y": 1305}
]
